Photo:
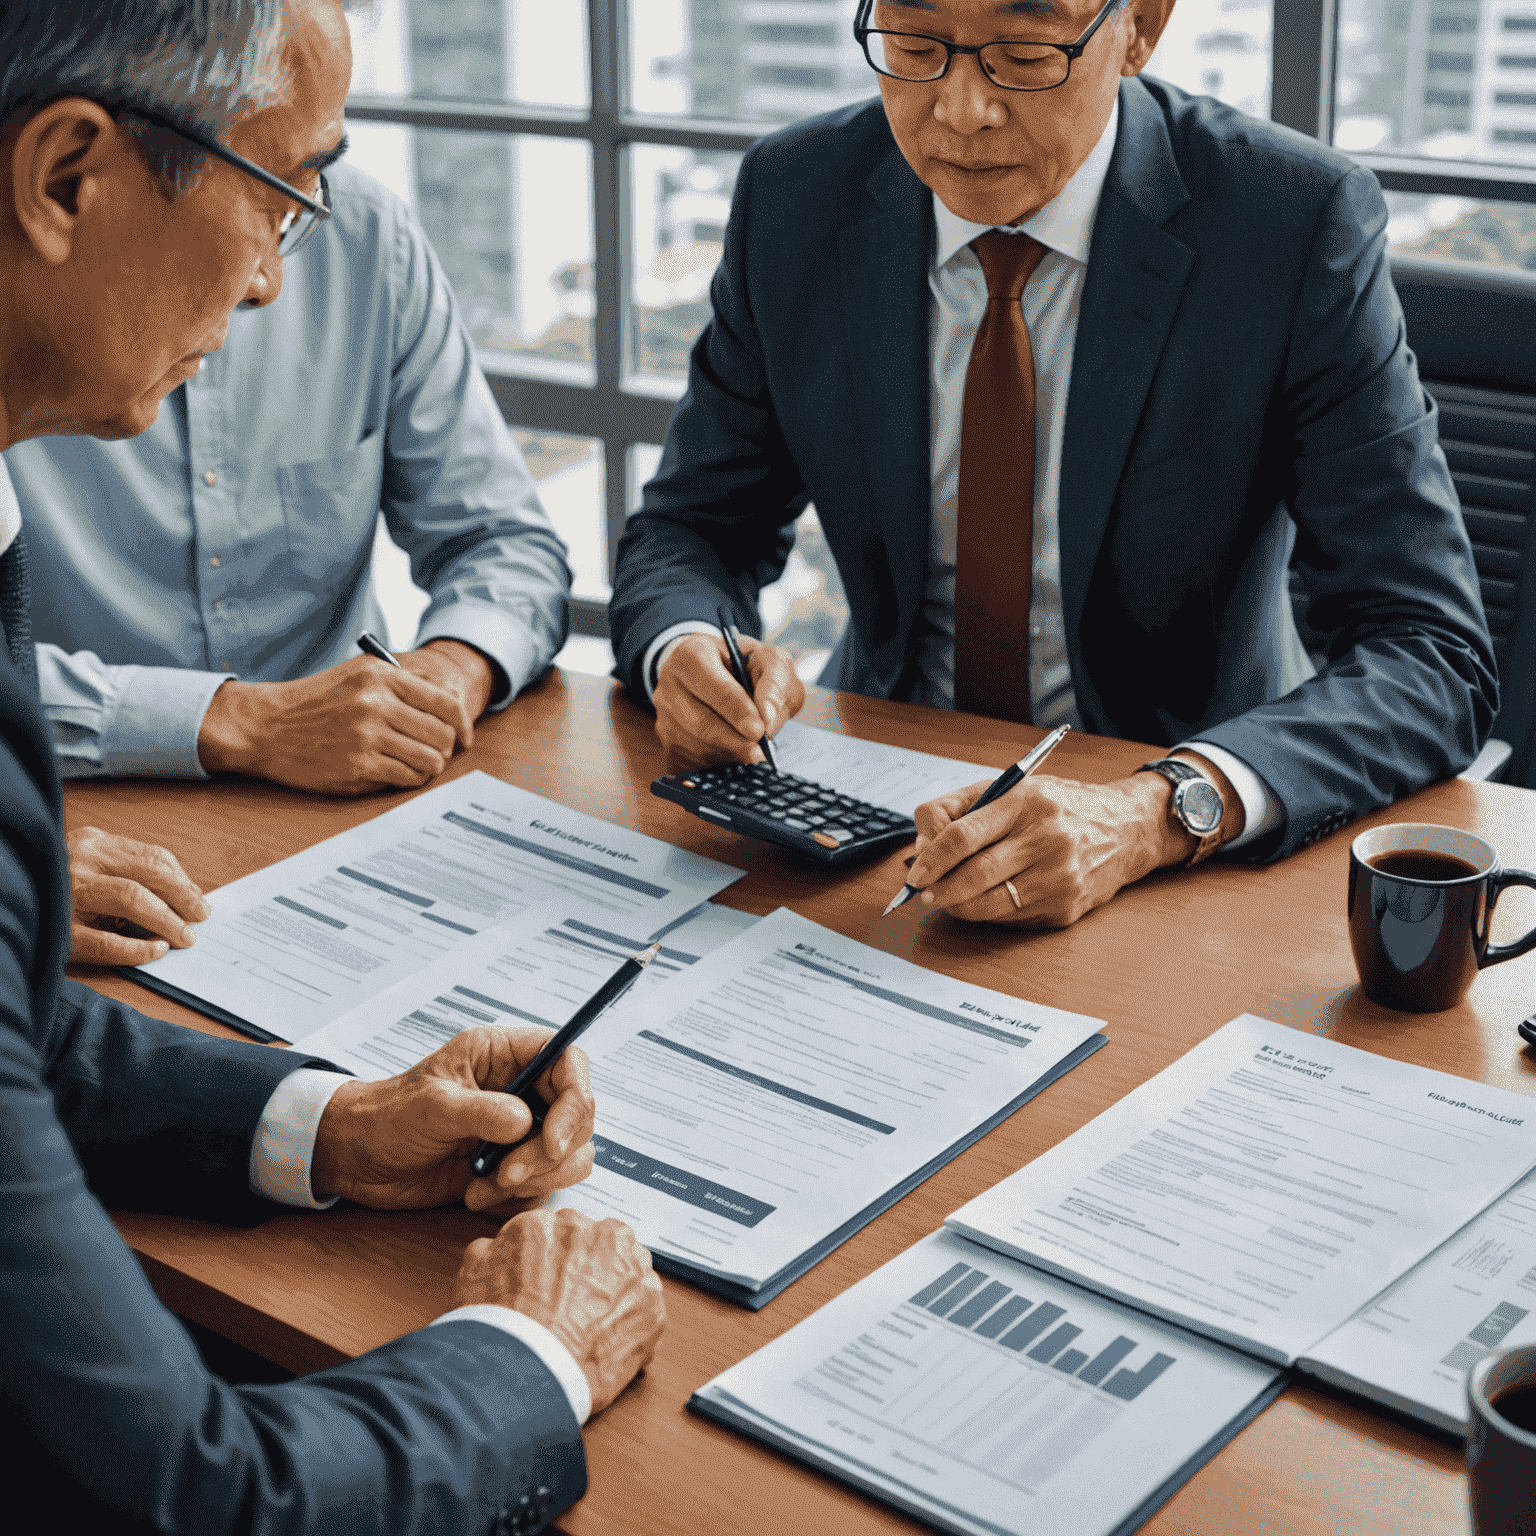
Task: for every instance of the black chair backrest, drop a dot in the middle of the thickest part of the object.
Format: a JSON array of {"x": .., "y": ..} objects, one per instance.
[{"x": 1473, "y": 329}]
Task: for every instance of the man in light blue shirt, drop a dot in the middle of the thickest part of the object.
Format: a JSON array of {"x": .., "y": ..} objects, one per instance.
[{"x": 211, "y": 623}]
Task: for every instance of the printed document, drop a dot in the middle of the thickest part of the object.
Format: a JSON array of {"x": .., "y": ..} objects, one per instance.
[
  {"x": 986, "y": 1397},
  {"x": 895, "y": 777},
  {"x": 1264, "y": 1187},
  {"x": 529, "y": 971},
  {"x": 1412, "y": 1347},
  {"x": 764, "y": 1098},
  {"x": 295, "y": 946}
]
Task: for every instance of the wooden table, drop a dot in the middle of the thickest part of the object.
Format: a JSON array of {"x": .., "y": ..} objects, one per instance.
[{"x": 1166, "y": 963}]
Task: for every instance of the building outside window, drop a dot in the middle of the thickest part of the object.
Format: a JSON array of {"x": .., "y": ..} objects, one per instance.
[{"x": 1452, "y": 80}]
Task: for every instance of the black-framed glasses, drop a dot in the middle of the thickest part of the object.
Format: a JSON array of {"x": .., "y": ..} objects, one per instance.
[
  {"x": 298, "y": 223},
  {"x": 1010, "y": 64}
]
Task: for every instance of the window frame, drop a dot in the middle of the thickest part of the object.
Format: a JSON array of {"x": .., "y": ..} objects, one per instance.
[
  {"x": 621, "y": 415},
  {"x": 617, "y": 414},
  {"x": 1303, "y": 72}
]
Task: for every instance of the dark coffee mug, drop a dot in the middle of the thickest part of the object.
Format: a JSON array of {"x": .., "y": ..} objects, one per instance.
[
  {"x": 1501, "y": 1447},
  {"x": 1421, "y": 901}
]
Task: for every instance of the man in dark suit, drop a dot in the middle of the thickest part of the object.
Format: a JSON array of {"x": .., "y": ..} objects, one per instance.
[
  {"x": 122, "y": 261},
  {"x": 1073, "y": 366}
]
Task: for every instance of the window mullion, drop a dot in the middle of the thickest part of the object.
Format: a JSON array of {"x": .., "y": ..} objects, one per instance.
[
  {"x": 605, "y": 49},
  {"x": 1302, "y": 69}
]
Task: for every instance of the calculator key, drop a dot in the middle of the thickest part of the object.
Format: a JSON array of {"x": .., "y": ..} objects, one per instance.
[
  {"x": 838, "y": 834},
  {"x": 799, "y": 826}
]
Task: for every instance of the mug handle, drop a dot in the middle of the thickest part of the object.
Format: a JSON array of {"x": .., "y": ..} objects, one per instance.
[{"x": 1496, "y": 953}]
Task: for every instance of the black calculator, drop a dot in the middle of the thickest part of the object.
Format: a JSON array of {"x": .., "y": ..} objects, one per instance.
[{"x": 792, "y": 812}]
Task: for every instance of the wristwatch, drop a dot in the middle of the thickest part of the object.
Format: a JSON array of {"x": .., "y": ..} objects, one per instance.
[{"x": 1196, "y": 805}]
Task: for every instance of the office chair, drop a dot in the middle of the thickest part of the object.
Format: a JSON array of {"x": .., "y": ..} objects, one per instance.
[{"x": 1473, "y": 329}]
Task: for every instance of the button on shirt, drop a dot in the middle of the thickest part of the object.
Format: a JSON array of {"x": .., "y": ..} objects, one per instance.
[{"x": 235, "y": 537}]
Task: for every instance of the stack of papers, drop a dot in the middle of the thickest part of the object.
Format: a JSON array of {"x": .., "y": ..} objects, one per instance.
[
  {"x": 1088, "y": 1332},
  {"x": 758, "y": 1101},
  {"x": 295, "y": 946}
]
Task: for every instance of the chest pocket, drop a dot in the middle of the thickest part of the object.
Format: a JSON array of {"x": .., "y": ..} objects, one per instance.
[{"x": 331, "y": 507}]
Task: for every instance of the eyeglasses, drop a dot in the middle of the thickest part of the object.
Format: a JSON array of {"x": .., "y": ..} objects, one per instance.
[
  {"x": 298, "y": 223},
  {"x": 1012, "y": 65}
]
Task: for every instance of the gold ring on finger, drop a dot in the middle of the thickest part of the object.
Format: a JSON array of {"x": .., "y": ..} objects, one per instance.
[{"x": 1018, "y": 905}]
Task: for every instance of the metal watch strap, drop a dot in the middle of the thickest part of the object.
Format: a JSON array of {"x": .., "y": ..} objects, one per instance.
[{"x": 1177, "y": 773}]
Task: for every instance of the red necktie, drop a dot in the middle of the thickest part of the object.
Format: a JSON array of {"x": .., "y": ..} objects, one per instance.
[{"x": 994, "y": 558}]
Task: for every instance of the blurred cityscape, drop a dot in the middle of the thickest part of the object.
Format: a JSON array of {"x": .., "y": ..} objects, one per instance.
[
  {"x": 1448, "y": 79},
  {"x": 511, "y": 220}
]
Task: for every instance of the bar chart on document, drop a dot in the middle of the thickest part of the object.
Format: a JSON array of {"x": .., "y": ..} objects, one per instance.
[
  {"x": 1000, "y": 1385},
  {"x": 989, "y": 1397}
]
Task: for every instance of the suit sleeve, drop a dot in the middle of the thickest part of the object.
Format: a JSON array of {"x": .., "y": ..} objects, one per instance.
[
  {"x": 110, "y": 1418},
  {"x": 1409, "y": 690},
  {"x": 161, "y": 1117},
  {"x": 715, "y": 526}
]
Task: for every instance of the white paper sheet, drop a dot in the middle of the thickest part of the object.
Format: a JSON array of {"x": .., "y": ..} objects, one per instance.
[
  {"x": 895, "y": 777},
  {"x": 1264, "y": 1187},
  {"x": 1413, "y": 1346},
  {"x": 526, "y": 972},
  {"x": 788, "y": 1080},
  {"x": 988, "y": 1397},
  {"x": 295, "y": 946}
]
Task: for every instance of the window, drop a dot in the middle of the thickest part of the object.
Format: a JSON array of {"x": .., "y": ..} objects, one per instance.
[{"x": 1450, "y": 84}]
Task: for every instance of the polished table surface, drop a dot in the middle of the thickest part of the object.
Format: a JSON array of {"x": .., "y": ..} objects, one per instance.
[{"x": 1167, "y": 962}]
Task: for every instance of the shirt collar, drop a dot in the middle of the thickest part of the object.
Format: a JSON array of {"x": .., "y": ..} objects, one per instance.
[
  {"x": 10, "y": 511},
  {"x": 1065, "y": 224}
]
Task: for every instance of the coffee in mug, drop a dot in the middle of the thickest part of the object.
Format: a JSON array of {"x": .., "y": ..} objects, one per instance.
[
  {"x": 1421, "y": 900},
  {"x": 1501, "y": 1442}
]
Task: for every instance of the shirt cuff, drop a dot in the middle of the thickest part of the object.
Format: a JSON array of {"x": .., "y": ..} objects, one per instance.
[
  {"x": 507, "y": 643},
  {"x": 1261, "y": 806},
  {"x": 284, "y": 1144},
  {"x": 538, "y": 1338},
  {"x": 147, "y": 728},
  {"x": 663, "y": 640}
]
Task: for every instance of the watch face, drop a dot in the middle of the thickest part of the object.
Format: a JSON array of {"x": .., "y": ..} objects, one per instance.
[{"x": 1199, "y": 806}]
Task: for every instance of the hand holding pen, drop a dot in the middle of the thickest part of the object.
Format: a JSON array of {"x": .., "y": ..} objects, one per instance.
[
  {"x": 704, "y": 714},
  {"x": 741, "y": 673},
  {"x": 488, "y": 1157},
  {"x": 1013, "y": 775}
]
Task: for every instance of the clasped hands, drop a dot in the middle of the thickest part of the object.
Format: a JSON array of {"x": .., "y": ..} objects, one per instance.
[
  {"x": 406, "y": 1143},
  {"x": 1066, "y": 847}
]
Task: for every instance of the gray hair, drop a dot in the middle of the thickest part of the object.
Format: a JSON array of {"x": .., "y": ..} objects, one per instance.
[{"x": 202, "y": 64}]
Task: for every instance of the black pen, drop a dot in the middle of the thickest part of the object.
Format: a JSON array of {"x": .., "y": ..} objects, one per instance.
[
  {"x": 999, "y": 787},
  {"x": 739, "y": 667},
  {"x": 488, "y": 1159},
  {"x": 375, "y": 647}
]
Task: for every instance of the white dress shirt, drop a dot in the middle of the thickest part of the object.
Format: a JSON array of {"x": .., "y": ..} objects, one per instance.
[
  {"x": 281, "y": 1152},
  {"x": 958, "y": 294}
]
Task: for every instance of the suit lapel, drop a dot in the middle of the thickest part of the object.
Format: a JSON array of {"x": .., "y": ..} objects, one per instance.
[
  {"x": 884, "y": 284},
  {"x": 1136, "y": 277}
]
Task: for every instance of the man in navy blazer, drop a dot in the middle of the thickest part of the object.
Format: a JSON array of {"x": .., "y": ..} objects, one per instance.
[
  {"x": 122, "y": 261},
  {"x": 1241, "y": 400}
]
